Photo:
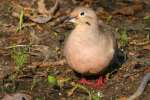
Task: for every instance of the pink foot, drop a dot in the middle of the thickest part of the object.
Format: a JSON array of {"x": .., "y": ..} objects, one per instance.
[{"x": 96, "y": 85}]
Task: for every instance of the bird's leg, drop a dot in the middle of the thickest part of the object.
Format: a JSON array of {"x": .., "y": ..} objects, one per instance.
[
  {"x": 100, "y": 82},
  {"x": 97, "y": 84}
]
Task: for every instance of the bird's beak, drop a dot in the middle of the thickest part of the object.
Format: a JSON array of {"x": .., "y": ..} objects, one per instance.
[{"x": 72, "y": 19}]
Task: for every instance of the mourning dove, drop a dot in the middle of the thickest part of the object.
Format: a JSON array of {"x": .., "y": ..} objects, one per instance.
[{"x": 87, "y": 49}]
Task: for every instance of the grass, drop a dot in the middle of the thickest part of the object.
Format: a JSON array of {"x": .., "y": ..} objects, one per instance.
[
  {"x": 19, "y": 28},
  {"x": 20, "y": 57},
  {"x": 109, "y": 19},
  {"x": 146, "y": 17},
  {"x": 123, "y": 38}
]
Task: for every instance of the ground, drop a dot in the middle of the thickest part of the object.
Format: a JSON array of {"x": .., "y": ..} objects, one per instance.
[{"x": 31, "y": 51}]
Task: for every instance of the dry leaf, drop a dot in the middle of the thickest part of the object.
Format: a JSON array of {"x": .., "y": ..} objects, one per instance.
[{"x": 129, "y": 10}]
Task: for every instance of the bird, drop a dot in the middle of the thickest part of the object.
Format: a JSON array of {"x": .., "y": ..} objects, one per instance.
[{"x": 88, "y": 49}]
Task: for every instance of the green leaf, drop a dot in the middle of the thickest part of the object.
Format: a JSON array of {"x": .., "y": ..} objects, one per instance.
[
  {"x": 146, "y": 17},
  {"x": 52, "y": 80},
  {"x": 95, "y": 97},
  {"x": 19, "y": 28}
]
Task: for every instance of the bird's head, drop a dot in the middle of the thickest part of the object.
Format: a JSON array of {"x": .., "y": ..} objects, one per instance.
[{"x": 83, "y": 15}]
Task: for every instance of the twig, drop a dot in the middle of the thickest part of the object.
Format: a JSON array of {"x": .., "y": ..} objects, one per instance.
[
  {"x": 49, "y": 13},
  {"x": 53, "y": 9},
  {"x": 15, "y": 46},
  {"x": 48, "y": 63},
  {"x": 76, "y": 86},
  {"x": 141, "y": 88}
]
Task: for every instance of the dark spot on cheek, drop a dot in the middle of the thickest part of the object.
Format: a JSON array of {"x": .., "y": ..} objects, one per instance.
[
  {"x": 23, "y": 98},
  {"x": 88, "y": 23}
]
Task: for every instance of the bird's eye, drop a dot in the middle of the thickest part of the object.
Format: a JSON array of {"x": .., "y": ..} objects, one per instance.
[{"x": 82, "y": 14}]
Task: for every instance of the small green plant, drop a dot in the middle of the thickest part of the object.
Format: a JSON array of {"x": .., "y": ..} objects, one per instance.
[
  {"x": 20, "y": 56},
  {"x": 95, "y": 97},
  {"x": 52, "y": 80},
  {"x": 109, "y": 18},
  {"x": 146, "y": 17},
  {"x": 123, "y": 38}
]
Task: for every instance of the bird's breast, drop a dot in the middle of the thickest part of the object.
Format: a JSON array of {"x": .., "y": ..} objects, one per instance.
[
  {"x": 85, "y": 57},
  {"x": 86, "y": 51}
]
